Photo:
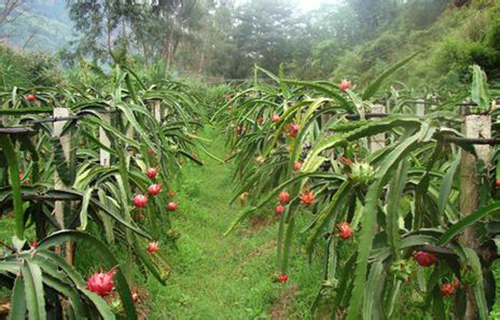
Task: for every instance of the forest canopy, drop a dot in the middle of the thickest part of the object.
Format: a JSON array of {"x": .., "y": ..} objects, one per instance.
[{"x": 355, "y": 38}]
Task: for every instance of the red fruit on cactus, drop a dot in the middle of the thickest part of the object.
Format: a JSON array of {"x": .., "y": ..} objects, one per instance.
[
  {"x": 30, "y": 97},
  {"x": 345, "y": 230},
  {"x": 425, "y": 259},
  {"x": 154, "y": 189},
  {"x": 280, "y": 209},
  {"x": 345, "y": 85},
  {"x": 447, "y": 290},
  {"x": 135, "y": 296},
  {"x": 261, "y": 121},
  {"x": 307, "y": 198},
  {"x": 101, "y": 283},
  {"x": 275, "y": 118},
  {"x": 140, "y": 201},
  {"x": 153, "y": 247},
  {"x": 297, "y": 166},
  {"x": 497, "y": 182},
  {"x": 283, "y": 278},
  {"x": 21, "y": 175},
  {"x": 172, "y": 206},
  {"x": 171, "y": 194},
  {"x": 152, "y": 173},
  {"x": 284, "y": 197},
  {"x": 34, "y": 244},
  {"x": 293, "y": 130},
  {"x": 456, "y": 283}
]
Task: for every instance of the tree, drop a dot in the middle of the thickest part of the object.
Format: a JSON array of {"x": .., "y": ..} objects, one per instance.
[
  {"x": 9, "y": 11},
  {"x": 98, "y": 21},
  {"x": 262, "y": 36}
]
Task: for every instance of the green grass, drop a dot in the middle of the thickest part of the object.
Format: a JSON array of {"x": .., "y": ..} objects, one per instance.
[{"x": 218, "y": 277}]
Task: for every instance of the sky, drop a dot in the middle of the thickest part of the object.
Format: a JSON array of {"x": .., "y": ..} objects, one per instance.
[{"x": 307, "y": 5}]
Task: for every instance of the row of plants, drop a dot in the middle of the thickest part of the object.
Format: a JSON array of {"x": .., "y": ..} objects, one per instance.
[
  {"x": 387, "y": 221},
  {"x": 123, "y": 206}
]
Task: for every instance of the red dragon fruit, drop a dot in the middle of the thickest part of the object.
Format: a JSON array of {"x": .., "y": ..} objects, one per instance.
[
  {"x": 153, "y": 247},
  {"x": 172, "y": 206},
  {"x": 280, "y": 209},
  {"x": 154, "y": 189},
  {"x": 345, "y": 230},
  {"x": 152, "y": 173},
  {"x": 140, "y": 201},
  {"x": 425, "y": 259},
  {"x": 284, "y": 197},
  {"x": 345, "y": 85},
  {"x": 101, "y": 283},
  {"x": 307, "y": 198}
]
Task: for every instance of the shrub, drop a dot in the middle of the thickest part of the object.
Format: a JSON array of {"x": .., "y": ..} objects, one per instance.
[{"x": 28, "y": 69}]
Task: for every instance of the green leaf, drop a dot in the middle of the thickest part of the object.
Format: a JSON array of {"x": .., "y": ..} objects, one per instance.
[
  {"x": 84, "y": 208},
  {"x": 273, "y": 194},
  {"x": 373, "y": 292},
  {"x": 473, "y": 261},
  {"x": 287, "y": 249},
  {"x": 103, "y": 253},
  {"x": 373, "y": 87},
  {"x": 328, "y": 214},
  {"x": 468, "y": 221},
  {"x": 394, "y": 196},
  {"x": 12, "y": 162},
  {"x": 243, "y": 215},
  {"x": 368, "y": 222},
  {"x": 65, "y": 169},
  {"x": 447, "y": 185},
  {"x": 70, "y": 194},
  {"x": 371, "y": 128},
  {"x": 33, "y": 287},
  {"x": 18, "y": 300},
  {"x": 25, "y": 111},
  {"x": 68, "y": 291},
  {"x": 344, "y": 104},
  {"x": 101, "y": 305},
  {"x": 480, "y": 94}
]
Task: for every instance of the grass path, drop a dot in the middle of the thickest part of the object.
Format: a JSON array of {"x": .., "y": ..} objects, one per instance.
[
  {"x": 215, "y": 277},
  {"x": 232, "y": 277}
]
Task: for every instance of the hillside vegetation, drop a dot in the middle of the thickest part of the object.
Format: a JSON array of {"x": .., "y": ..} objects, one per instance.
[{"x": 449, "y": 44}]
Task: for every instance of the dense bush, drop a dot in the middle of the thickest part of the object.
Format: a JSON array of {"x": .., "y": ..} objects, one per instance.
[
  {"x": 28, "y": 69},
  {"x": 450, "y": 44}
]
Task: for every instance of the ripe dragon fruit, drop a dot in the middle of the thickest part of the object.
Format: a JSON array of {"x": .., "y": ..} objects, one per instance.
[
  {"x": 152, "y": 173},
  {"x": 447, "y": 289},
  {"x": 284, "y": 197},
  {"x": 297, "y": 166},
  {"x": 101, "y": 283},
  {"x": 275, "y": 118},
  {"x": 154, "y": 189},
  {"x": 307, "y": 198},
  {"x": 280, "y": 209},
  {"x": 283, "y": 278},
  {"x": 425, "y": 259},
  {"x": 345, "y": 85},
  {"x": 140, "y": 201},
  {"x": 293, "y": 130},
  {"x": 153, "y": 247},
  {"x": 345, "y": 230},
  {"x": 172, "y": 206}
]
